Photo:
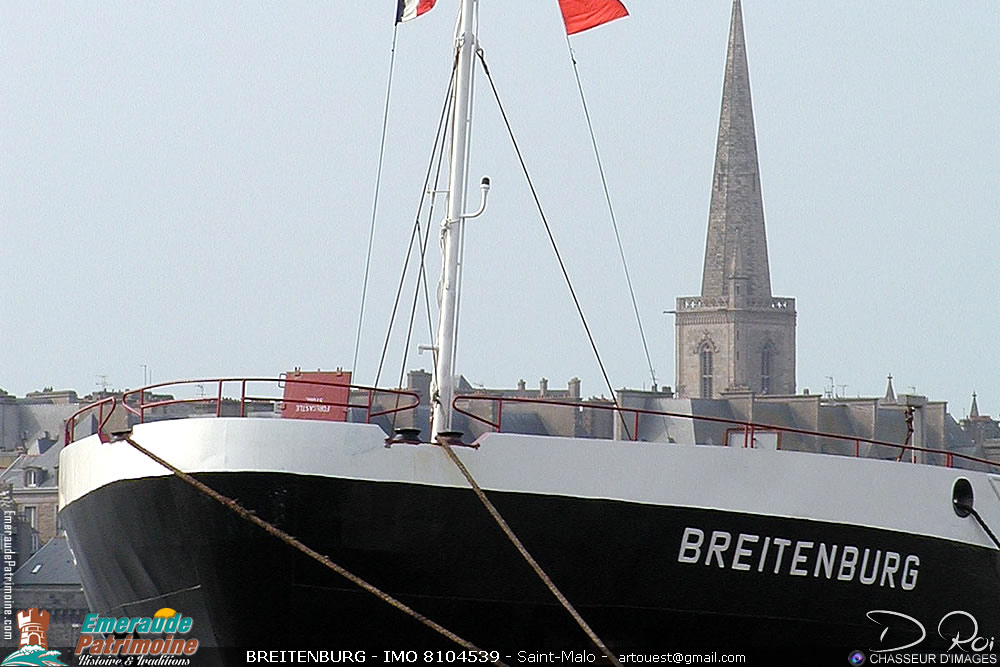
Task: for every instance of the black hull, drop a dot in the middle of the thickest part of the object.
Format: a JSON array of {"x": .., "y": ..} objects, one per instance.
[{"x": 155, "y": 542}]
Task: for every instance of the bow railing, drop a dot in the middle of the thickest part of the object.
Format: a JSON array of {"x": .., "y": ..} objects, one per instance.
[
  {"x": 103, "y": 409},
  {"x": 237, "y": 397},
  {"x": 630, "y": 419}
]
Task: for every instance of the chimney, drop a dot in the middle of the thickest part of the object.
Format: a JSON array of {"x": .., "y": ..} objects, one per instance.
[
  {"x": 521, "y": 385},
  {"x": 543, "y": 387},
  {"x": 574, "y": 388}
]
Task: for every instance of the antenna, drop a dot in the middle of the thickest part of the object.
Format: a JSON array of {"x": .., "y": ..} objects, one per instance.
[{"x": 102, "y": 382}]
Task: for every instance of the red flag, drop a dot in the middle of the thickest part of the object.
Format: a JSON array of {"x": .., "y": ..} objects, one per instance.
[
  {"x": 580, "y": 15},
  {"x": 411, "y": 9}
]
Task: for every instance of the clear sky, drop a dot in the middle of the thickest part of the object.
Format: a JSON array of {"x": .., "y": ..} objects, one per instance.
[{"x": 188, "y": 185}]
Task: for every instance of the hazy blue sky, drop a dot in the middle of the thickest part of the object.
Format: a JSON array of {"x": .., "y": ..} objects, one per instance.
[{"x": 188, "y": 185}]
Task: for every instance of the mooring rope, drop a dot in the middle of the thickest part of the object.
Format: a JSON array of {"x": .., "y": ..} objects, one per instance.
[
  {"x": 505, "y": 527},
  {"x": 986, "y": 528},
  {"x": 235, "y": 507}
]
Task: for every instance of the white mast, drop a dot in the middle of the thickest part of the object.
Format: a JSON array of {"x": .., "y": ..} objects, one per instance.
[{"x": 451, "y": 228}]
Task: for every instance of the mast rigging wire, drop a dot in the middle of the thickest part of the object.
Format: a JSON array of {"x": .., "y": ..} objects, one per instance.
[
  {"x": 423, "y": 197},
  {"x": 378, "y": 187},
  {"x": 611, "y": 210},
  {"x": 552, "y": 240},
  {"x": 421, "y": 276}
]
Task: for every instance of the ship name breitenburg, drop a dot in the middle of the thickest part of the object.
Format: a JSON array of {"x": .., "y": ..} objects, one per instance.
[{"x": 846, "y": 563}]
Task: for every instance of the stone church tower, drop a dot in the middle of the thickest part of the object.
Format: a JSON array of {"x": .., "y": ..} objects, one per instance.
[{"x": 735, "y": 336}]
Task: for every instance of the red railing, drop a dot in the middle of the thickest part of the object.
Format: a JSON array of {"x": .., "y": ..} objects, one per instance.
[
  {"x": 137, "y": 403},
  {"x": 69, "y": 434},
  {"x": 632, "y": 415}
]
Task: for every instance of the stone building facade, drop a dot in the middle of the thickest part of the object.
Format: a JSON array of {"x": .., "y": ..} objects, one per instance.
[
  {"x": 735, "y": 336},
  {"x": 29, "y": 488}
]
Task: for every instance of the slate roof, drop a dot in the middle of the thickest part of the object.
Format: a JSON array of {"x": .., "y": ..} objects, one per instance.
[
  {"x": 52, "y": 565},
  {"x": 47, "y": 461}
]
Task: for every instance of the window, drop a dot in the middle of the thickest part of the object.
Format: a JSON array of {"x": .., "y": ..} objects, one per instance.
[
  {"x": 31, "y": 521},
  {"x": 706, "y": 371},
  {"x": 765, "y": 370},
  {"x": 31, "y": 477}
]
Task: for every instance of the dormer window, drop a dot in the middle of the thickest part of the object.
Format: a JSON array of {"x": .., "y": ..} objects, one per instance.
[{"x": 32, "y": 476}]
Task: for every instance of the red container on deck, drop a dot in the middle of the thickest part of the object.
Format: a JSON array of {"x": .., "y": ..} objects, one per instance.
[{"x": 305, "y": 398}]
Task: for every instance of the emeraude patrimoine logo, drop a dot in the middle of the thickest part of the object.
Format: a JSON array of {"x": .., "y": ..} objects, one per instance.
[
  {"x": 33, "y": 648},
  {"x": 98, "y": 634}
]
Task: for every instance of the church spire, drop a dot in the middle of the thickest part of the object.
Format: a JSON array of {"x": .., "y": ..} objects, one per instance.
[
  {"x": 736, "y": 336},
  {"x": 974, "y": 412},
  {"x": 890, "y": 394},
  {"x": 736, "y": 215}
]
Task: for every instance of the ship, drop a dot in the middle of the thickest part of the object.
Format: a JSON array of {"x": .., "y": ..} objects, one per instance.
[{"x": 657, "y": 545}]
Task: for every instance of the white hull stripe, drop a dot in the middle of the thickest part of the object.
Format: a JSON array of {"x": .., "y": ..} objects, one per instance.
[{"x": 888, "y": 495}]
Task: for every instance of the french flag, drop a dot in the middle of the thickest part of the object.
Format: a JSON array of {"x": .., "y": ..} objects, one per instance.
[{"x": 411, "y": 9}]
